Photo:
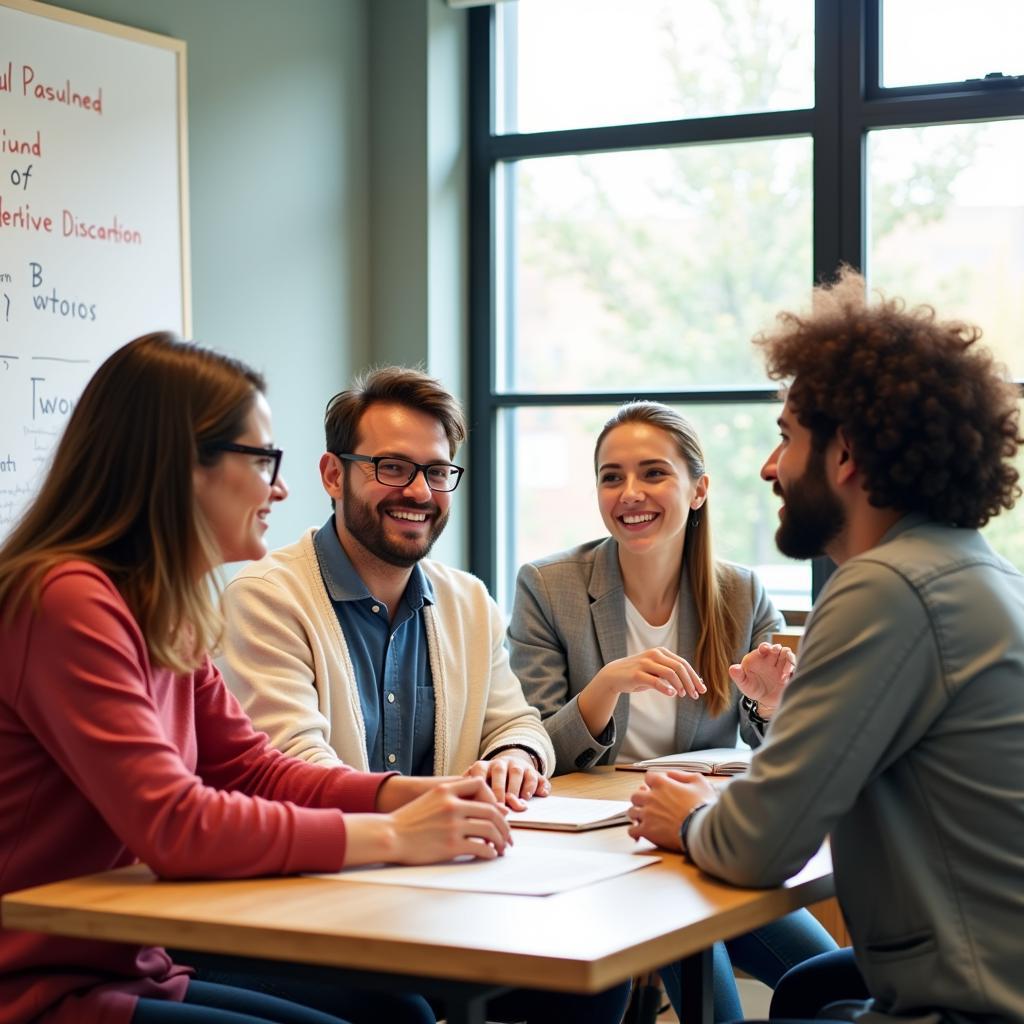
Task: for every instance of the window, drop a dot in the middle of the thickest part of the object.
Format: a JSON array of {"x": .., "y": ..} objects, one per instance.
[{"x": 653, "y": 180}]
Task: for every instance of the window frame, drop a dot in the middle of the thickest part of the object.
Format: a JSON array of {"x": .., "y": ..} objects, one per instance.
[{"x": 849, "y": 101}]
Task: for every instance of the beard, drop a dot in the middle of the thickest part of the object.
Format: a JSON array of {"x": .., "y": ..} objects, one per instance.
[
  {"x": 813, "y": 515},
  {"x": 366, "y": 524}
]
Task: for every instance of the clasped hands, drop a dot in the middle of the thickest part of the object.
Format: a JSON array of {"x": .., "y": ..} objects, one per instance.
[{"x": 435, "y": 818}]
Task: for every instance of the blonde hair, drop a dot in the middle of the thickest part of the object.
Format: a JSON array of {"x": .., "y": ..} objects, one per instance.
[
  {"x": 119, "y": 492},
  {"x": 718, "y": 626}
]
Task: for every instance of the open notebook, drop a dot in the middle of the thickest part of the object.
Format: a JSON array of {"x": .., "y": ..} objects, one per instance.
[
  {"x": 570, "y": 814},
  {"x": 713, "y": 761}
]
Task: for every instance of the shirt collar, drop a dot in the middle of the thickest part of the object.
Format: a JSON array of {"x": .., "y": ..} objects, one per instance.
[{"x": 342, "y": 581}]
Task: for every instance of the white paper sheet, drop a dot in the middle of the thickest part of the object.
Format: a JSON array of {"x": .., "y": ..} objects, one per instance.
[
  {"x": 570, "y": 813},
  {"x": 538, "y": 871}
]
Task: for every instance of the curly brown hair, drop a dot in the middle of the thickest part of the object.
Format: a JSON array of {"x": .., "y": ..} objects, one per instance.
[{"x": 932, "y": 419}]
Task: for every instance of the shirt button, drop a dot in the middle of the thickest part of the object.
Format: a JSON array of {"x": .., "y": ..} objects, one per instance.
[
  {"x": 375, "y": 609},
  {"x": 392, "y": 759},
  {"x": 391, "y": 698}
]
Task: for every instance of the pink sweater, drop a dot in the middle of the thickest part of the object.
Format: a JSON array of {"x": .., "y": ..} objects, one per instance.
[{"x": 105, "y": 760}]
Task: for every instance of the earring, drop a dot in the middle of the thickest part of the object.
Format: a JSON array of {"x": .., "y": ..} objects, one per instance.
[{"x": 694, "y": 518}]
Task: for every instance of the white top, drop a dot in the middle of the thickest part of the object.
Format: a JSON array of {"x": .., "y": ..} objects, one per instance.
[{"x": 652, "y": 714}]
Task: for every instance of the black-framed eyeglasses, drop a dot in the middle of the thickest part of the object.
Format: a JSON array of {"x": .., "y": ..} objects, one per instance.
[
  {"x": 268, "y": 459},
  {"x": 396, "y": 472}
]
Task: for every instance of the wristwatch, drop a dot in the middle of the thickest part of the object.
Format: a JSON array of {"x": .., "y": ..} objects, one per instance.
[
  {"x": 750, "y": 706},
  {"x": 685, "y": 827}
]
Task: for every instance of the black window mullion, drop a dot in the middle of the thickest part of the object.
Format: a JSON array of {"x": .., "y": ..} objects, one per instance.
[{"x": 482, "y": 206}]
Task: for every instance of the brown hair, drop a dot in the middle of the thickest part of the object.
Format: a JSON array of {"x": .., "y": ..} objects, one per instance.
[
  {"x": 718, "y": 625},
  {"x": 119, "y": 491},
  {"x": 401, "y": 386},
  {"x": 932, "y": 420}
]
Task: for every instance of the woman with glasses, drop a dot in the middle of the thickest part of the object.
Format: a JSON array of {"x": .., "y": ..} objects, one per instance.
[
  {"x": 120, "y": 741},
  {"x": 624, "y": 645}
]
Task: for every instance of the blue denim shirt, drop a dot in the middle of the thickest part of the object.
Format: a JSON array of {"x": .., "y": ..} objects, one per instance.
[{"x": 391, "y": 663}]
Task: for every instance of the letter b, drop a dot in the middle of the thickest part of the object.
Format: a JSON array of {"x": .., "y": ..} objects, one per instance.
[{"x": 37, "y": 273}]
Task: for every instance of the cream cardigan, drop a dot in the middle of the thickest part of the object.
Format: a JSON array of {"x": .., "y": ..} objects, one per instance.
[{"x": 286, "y": 660}]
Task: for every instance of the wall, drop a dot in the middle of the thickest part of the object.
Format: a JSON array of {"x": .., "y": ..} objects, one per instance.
[
  {"x": 418, "y": 203},
  {"x": 328, "y": 199},
  {"x": 278, "y": 187}
]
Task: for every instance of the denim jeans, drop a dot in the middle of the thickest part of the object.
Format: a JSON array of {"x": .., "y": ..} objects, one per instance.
[
  {"x": 207, "y": 1003},
  {"x": 765, "y": 954}
]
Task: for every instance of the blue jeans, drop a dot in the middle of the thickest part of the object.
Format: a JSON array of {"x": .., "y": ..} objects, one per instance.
[
  {"x": 245, "y": 996},
  {"x": 206, "y": 1003},
  {"x": 765, "y": 954},
  {"x": 810, "y": 987},
  {"x": 363, "y": 1007}
]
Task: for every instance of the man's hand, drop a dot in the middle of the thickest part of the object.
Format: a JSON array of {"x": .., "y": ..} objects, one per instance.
[
  {"x": 763, "y": 675},
  {"x": 663, "y": 801},
  {"x": 512, "y": 777}
]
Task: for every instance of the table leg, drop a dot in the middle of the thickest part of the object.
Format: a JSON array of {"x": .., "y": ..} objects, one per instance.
[
  {"x": 467, "y": 1009},
  {"x": 645, "y": 1000},
  {"x": 698, "y": 988}
]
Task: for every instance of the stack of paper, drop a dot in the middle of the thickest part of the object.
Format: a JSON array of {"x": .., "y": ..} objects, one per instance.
[
  {"x": 570, "y": 814},
  {"x": 541, "y": 871}
]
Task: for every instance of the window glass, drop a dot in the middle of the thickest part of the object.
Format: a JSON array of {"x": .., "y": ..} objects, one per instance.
[
  {"x": 1006, "y": 532},
  {"x": 652, "y": 268},
  {"x": 946, "y": 224},
  {"x": 583, "y": 63},
  {"x": 927, "y": 41},
  {"x": 553, "y": 502}
]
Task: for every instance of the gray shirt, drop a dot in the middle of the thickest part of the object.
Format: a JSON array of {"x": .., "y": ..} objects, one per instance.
[{"x": 902, "y": 735}]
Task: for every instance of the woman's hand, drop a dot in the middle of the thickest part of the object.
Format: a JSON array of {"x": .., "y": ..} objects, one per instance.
[
  {"x": 763, "y": 675},
  {"x": 454, "y": 818},
  {"x": 398, "y": 790},
  {"x": 663, "y": 801},
  {"x": 657, "y": 668},
  {"x": 512, "y": 778}
]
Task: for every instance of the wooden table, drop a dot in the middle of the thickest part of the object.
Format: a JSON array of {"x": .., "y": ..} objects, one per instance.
[{"x": 466, "y": 947}]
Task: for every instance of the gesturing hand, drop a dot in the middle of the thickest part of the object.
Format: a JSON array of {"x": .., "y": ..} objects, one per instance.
[
  {"x": 453, "y": 819},
  {"x": 763, "y": 675},
  {"x": 512, "y": 777},
  {"x": 657, "y": 668}
]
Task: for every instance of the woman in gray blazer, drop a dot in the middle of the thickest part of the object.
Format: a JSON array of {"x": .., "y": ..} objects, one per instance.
[{"x": 648, "y": 621}]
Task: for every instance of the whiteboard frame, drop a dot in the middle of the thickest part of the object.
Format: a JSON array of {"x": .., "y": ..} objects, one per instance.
[{"x": 179, "y": 49}]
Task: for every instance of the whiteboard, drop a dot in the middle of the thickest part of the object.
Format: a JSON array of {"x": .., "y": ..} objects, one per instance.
[{"x": 93, "y": 216}]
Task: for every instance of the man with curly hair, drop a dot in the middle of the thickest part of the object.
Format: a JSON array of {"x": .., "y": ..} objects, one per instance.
[{"x": 901, "y": 732}]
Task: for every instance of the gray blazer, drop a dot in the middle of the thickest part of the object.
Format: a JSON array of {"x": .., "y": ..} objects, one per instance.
[{"x": 569, "y": 621}]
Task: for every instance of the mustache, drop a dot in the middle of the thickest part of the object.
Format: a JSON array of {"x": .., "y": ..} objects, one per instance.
[{"x": 410, "y": 506}]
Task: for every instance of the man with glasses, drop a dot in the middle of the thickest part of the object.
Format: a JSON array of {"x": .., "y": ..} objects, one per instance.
[{"x": 350, "y": 644}]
